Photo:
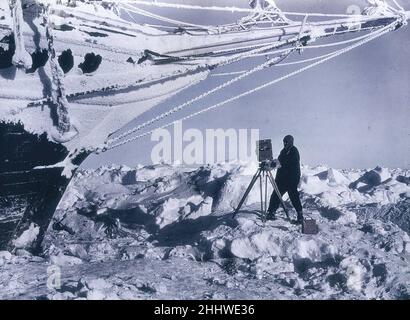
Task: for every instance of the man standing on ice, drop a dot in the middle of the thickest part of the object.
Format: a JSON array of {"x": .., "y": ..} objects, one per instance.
[{"x": 287, "y": 179}]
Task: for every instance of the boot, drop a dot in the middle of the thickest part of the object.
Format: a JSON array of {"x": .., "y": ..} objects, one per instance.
[
  {"x": 270, "y": 215},
  {"x": 300, "y": 217}
]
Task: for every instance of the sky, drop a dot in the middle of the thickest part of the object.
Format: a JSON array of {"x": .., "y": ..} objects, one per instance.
[{"x": 352, "y": 112}]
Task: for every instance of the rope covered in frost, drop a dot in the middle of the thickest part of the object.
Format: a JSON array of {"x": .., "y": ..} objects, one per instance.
[
  {"x": 231, "y": 9},
  {"x": 207, "y": 93},
  {"x": 371, "y": 37},
  {"x": 160, "y": 18}
]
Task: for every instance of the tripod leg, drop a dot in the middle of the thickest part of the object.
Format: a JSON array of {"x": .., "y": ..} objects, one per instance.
[
  {"x": 266, "y": 192},
  {"x": 264, "y": 203},
  {"x": 261, "y": 189},
  {"x": 275, "y": 187},
  {"x": 255, "y": 177}
]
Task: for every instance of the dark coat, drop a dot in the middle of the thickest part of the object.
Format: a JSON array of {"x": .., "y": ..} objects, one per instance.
[{"x": 289, "y": 172}]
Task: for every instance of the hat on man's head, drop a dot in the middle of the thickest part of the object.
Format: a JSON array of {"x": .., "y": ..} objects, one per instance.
[{"x": 288, "y": 138}]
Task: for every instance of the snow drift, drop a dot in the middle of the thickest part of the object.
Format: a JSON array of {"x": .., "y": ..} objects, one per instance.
[{"x": 166, "y": 232}]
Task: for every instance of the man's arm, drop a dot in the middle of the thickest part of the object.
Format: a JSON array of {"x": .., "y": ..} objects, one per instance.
[
  {"x": 278, "y": 161},
  {"x": 276, "y": 164},
  {"x": 294, "y": 157}
]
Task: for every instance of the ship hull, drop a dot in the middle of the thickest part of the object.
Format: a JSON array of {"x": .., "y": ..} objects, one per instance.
[{"x": 28, "y": 195}]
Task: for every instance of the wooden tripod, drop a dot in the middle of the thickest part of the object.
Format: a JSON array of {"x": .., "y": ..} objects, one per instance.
[{"x": 263, "y": 174}]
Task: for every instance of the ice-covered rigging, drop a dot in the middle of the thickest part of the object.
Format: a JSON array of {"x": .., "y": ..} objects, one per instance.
[
  {"x": 374, "y": 35},
  {"x": 398, "y": 13}
]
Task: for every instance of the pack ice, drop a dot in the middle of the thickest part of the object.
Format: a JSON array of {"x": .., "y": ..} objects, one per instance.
[{"x": 167, "y": 232}]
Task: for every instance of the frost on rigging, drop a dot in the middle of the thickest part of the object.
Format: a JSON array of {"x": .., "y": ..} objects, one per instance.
[
  {"x": 271, "y": 13},
  {"x": 378, "y": 7},
  {"x": 59, "y": 99},
  {"x": 21, "y": 57}
]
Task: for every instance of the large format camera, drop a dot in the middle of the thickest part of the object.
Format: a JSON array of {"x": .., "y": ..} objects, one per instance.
[
  {"x": 266, "y": 164},
  {"x": 265, "y": 154},
  {"x": 264, "y": 150}
]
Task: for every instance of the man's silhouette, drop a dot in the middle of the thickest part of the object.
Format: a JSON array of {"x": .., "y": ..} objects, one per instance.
[{"x": 287, "y": 179}]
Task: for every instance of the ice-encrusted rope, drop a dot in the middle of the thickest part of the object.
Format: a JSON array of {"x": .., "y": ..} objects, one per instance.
[
  {"x": 224, "y": 85},
  {"x": 144, "y": 13},
  {"x": 261, "y": 47},
  {"x": 371, "y": 37},
  {"x": 231, "y": 9},
  {"x": 58, "y": 94},
  {"x": 301, "y": 61},
  {"x": 319, "y": 46},
  {"x": 207, "y": 93}
]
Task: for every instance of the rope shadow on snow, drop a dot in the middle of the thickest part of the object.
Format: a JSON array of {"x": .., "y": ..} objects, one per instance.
[
  {"x": 114, "y": 220},
  {"x": 329, "y": 213},
  {"x": 209, "y": 187},
  {"x": 247, "y": 212},
  {"x": 188, "y": 232},
  {"x": 335, "y": 279}
]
